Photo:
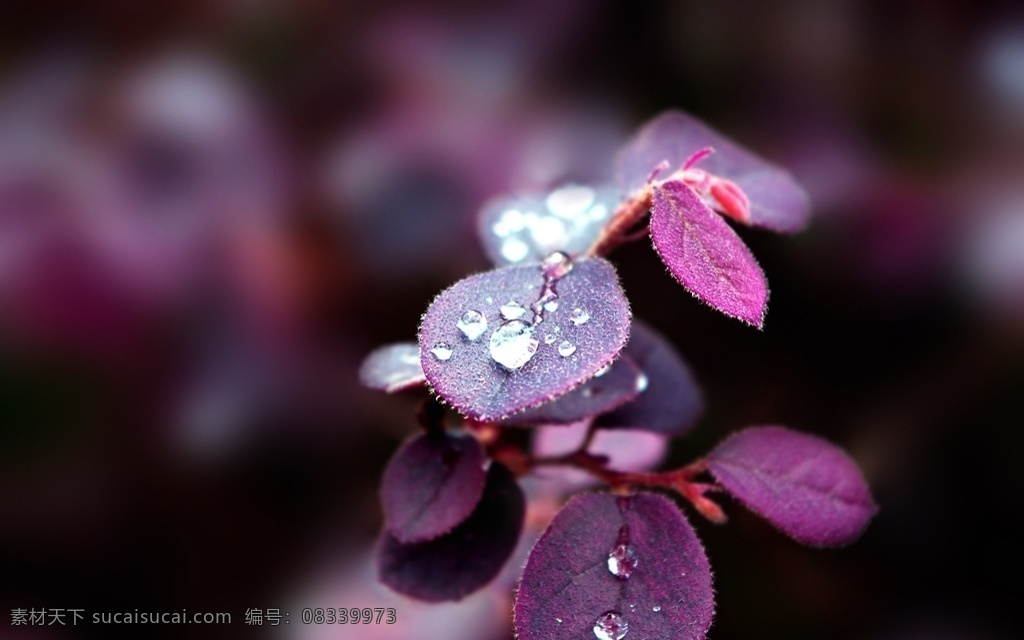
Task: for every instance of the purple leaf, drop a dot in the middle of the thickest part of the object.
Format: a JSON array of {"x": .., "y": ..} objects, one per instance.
[
  {"x": 672, "y": 401},
  {"x": 466, "y": 559},
  {"x": 807, "y": 487},
  {"x": 392, "y": 368},
  {"x": 432, "y": 484},
  {"x": 502, "y": 341},
  {"x": 776, "y": 201},
  {"x": 628, "y": 563},
  {"x": 524, "y": 229},
  {"x": 705, "y": 255},
  {"x": 608, "y": 389}
]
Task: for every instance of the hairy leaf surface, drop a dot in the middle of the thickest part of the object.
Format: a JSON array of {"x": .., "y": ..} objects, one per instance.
[
  {"x": 560, "y": 332},
  {"x": 807, "y": 487},
  {"x": 705, "y": 255},
  {"x": 470, "y": 556},
  {"x": 568, "y": 584},
  {"x": 432, "y": 484}
]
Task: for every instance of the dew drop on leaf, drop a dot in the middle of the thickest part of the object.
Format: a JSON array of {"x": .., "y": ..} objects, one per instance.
[
  {"x": 566, "y": 349},
  {"x": 512, "y": 310},
  {"x": 555, "y": 265},
  {"x": 472, "y": 324},
  {"x": 550, "y": 339},
  {"x": 622, "y": 559},
  {"x": 513, "y": 344},
  {"x": 610, "y": 625},
  {"x": 579, "y": 317},
  {"x": 442, "y": 351}
]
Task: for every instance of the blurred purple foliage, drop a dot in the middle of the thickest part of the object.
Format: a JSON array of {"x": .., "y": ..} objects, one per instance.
[{"x": 211, "y": 212}]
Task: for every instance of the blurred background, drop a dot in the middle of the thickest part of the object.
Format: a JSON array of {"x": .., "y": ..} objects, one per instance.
[{"x": 211, "y": 211}]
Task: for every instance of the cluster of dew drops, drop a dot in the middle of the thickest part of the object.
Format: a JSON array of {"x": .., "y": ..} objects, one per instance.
[
  {"x": 513, "y": 343},
  {"x": 622, "y": 561}
]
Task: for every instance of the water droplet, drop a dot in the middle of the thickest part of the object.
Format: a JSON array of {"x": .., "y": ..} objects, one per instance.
[
  {"x": 556, "y": 265},
  {"x": 558, "y": 620},
  {"x": 603, "y": 370},
  {"x": 514, "y": 250},
  {"x": 622, "y": 560},
  {"x": 442, "y": 351},
  {"x": 657, "y": 608},
  {"x": 611, "y": 626},
  {"x": 472, "y": 324},
  {"x": 566, "y": 349},
  {"x": 551, "y": 306},
  {"x": 512, "y": 310},
  {"x": 579, "y": 316},
  {"x": 549, "y": 339},
  {"x": 489, "y": 299},
  {"x": 641, "y": 383},
  {"x": 513, "y": 344}
]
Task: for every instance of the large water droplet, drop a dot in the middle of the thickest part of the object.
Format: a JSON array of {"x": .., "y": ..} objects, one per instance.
[
  {"x": 611, "y": 625},
  {"x": 472, "y": 324},
  {"x": 579, "y": 316},
  {"x": 556, "y": 265},
  {"x": 622, "y": 560},
  {"x": 513, "y": 249},
  {"x": 512, "y": 310},
  {"x": 566, "y": 349},
  {"x": 513, "y": 344},
  {"x": 442, "y": 351}
]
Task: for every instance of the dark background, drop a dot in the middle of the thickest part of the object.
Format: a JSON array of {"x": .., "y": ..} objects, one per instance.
[{"x": 189, "y": 282}]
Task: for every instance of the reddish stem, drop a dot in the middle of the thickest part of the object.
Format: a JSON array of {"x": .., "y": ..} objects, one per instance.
[{"x": 619, "y": 230}]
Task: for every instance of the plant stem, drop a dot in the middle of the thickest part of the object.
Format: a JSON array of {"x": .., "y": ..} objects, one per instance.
[{"x": 617, "y": 231}]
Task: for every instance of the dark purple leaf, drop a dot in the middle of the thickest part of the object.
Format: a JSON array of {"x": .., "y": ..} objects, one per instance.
[
  {"x": 432, "y": 484},
  {"x": 502, "y": 341},
  {"x": 524, "y": 229},
  {"x": 392, "y": 368},
  {"x": 705, "y": 255},
  {"x": 807, "y": 487},
  {"x": 671, "y": 401},
  {"x": 776, "y": 200},
  {"x": 620, "y": 383},
  {"x": 466, "y": 559},
  {"x": 616, "y": 561}
]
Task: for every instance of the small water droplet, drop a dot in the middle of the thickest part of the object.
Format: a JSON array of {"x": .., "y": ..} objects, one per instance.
[
  {"x": 641, "y": 383},
  {"x": 512, "y": 310},
  {"x": 472, "y": 324},
  {"x": 603, "y": 370},
  {"x": 551, "y": 306},
  {"x": 555, "y": 265},
  {"x": 442, "y": 351},
  {"x": 579, "y": 316},
  {"x": 549, "y": 339},
  {"x": 489, "y": 300},
  {"x": 514, "y": 250},
  {"x": 611, "y": 625},
  {"x": 622, "y": 560},
  {"x": 558, "y": 620},
  {"x": 513, "y": 344},
  {"x": 657, "y": 608},
  {"x": 566, "y": 349}
]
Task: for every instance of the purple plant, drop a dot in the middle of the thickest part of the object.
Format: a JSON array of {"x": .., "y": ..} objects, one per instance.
[{"x": 548, "y": 341}]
